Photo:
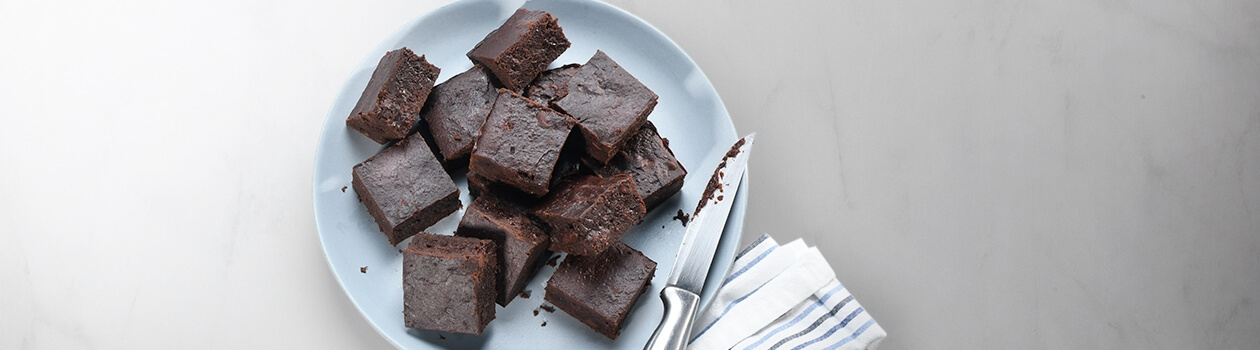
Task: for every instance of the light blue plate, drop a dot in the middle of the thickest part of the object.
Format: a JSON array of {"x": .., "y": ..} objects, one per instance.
[{"x": 690, "y": 114}]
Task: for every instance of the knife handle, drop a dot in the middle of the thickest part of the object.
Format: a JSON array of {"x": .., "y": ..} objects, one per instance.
[{"x": 675, "y": 329}]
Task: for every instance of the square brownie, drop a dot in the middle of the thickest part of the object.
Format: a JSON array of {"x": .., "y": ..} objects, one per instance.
[
  {"x": 448, "y": 283},
  {"x": 551, "y": 84},
  {"x": 647, "y": 157},
  {"x": 456, "y": 109},
  {"x": 521, "y": 48},
  {"x": 405, "y": 188},
  {"x": 521, "y": 243},
  {"x": 569, "y": 165},
  {"x": 399, "y": 86},
  {"x": 609, "y": 104},
  {"x": 589, "y": 213},
  {"x": 520, "y": 143},
  {"x": 600, "y": 290}
]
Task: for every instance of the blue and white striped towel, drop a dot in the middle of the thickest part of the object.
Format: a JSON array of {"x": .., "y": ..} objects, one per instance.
[{"x": 784, "y": 297}]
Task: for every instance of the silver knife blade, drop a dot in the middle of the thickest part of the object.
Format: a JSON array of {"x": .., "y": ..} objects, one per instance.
[
  {"x": 681, "y": 294},
  {"x": 691, "y": 265}
]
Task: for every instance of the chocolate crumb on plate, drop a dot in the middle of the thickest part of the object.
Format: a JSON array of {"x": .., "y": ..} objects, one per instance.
[
  {"x": 547, "y": 308},
  {"x": 363, "y": 269},
  {"x": 681, "y": 216}
]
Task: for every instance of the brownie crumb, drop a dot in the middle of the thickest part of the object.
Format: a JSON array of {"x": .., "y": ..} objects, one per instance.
[
  {"x": 544, "y": 323},
  {"x": 552, "y": 262},
  {"x": 363, "y": 269},
  {"x": 343, "y": 189},
  {"x": 525, "y": 294},
  {"x": 547, "y": 308},
  {"x": 681, "y": 216},
  {"x": 535, "y": 312}
]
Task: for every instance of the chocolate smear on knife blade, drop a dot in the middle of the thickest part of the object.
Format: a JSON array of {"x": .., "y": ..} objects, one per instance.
[{"x": 714, "y": 184}]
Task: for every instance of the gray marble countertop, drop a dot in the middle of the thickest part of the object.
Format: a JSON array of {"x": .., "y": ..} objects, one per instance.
[{"x": 980, "y": 174}]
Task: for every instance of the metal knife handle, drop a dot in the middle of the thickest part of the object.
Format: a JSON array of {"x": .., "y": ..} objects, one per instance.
[{"x": 675, "y": 328}]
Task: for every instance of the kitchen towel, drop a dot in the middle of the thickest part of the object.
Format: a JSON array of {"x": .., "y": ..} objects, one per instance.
[{"x": 783, "y": 297}]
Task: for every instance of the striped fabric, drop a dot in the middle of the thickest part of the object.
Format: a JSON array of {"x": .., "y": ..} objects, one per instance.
[{"x": 784, "y": 297}]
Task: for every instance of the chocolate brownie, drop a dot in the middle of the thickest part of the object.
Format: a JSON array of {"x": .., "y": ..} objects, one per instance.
[
  {"x": 405, "y": 188},
  {"x": 609, "y": 104},
  {"x": 600, "y": 290},
  {"x": 567, "y": 166},
  {"x": 399, "y": 86},
  {"x": 551, "y": 83},
  {"x": 520, "y": 143},
  {"x": 521, "y": 243},
  {"x": 647, "y": 157},
  {"x": 589, "y": 213},
  {"x": 521, "y": 48},
  {"x": 448, "y": 283},
  {"x": 456, "y": 109}
]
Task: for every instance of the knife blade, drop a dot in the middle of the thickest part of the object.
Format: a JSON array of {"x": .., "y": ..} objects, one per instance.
[{"x": 681, "y": 294}]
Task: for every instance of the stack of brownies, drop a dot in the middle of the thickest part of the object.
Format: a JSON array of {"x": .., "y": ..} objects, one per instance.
[{"x": 560, "y": 160}]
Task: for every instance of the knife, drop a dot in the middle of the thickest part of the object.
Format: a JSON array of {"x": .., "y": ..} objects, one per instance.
[{"x": 686, "y": 280}]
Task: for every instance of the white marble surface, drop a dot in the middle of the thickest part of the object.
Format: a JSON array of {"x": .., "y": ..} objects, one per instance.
[{"x": 981, "y": 174}]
